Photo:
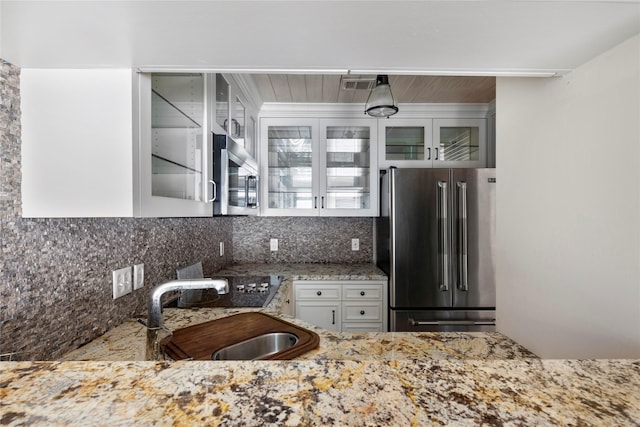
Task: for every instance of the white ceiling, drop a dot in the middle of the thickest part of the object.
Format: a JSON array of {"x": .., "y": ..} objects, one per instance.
[{"x": 434, "y": 37}]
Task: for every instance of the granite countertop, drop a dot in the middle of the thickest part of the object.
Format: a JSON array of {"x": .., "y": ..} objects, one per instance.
[
  {"x": 351, "y": 379},
  {"x": 322, "y": 392},
  {"x": 127, "y": 341}
]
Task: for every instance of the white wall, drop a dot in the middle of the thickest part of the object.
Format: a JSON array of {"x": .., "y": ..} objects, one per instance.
[
  {"x": 1, "y": 29},
  {"x": 76, "y": 139},
  {"x": 568, "y": 209}
]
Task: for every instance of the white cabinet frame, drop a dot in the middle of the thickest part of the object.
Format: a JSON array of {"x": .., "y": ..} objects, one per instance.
[
  {"x": 343, "y": 305},
  {"x": 145, "y": 203},
  {"x": 481, "y": 124},
  {"x": 264, "y": 137},
  {"x": 319, "y": 167},
  {"x": 426, "y": 162}
]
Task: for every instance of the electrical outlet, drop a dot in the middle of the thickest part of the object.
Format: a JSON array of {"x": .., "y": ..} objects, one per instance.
[
  {"x": 355, "y": 244},
  {"x": 121, "y": 282},
  {"x": 138, "y": 276},
  {"x": 221, "y": 248},
  {"x": 273, "y": 244}
]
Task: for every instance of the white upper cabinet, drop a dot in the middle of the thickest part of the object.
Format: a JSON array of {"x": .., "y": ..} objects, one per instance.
[
  {"x": 174, "y": 147},
  {"x": 460, "y": 143},
  {"x": 222, "y": 105},
  {"x": 435, "y": 139},
  {"x": 348, "y": 167},
  {"x": 405, "y": 142},
  {"x": 119, "y": 143},
  {"x": 77, "y": 136},
  {"x": 235, "y": 115},
  {"x": 290, "y": 166},
  {"x": 319, "y": 167},
  {"x": 178, "y": 115}
]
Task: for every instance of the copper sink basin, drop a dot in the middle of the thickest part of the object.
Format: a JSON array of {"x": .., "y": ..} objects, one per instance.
[{"x": 244, "y": 336}]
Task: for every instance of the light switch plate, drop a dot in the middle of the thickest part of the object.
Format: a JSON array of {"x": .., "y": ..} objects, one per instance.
[
  {"x": 273, "y": 244},
  {"x": 221, "y": 248},
  {"x": 355, "y": 244},
  {"x": 121, "y": 282},
  {"x": 138, "y": 276}
]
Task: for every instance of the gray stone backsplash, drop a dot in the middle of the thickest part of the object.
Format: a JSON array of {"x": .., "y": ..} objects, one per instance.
[{"x": 302, "y": 239}]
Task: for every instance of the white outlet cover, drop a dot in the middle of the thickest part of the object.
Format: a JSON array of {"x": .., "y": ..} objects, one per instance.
[
  {"x": 122, "y": 282},
  {"x": 273, "y": 244},
  {"x": 138, "y": 276},
  {"x": 355, "y": 244},
  {"x": 221, "y": 248}
]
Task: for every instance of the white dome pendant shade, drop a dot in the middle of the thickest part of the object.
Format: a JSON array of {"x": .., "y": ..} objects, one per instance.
[{"x": 381, "y": 102}]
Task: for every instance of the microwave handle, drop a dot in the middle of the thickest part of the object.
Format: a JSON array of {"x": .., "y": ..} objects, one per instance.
[
  {"x": 246, "y": 190},
  {"x": 257, "y": 191}
]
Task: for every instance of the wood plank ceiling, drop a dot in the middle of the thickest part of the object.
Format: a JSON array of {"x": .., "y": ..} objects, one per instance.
[{"x": 406, "y": 89}]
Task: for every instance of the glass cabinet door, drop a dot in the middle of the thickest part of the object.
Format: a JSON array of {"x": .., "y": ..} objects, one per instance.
[
  {"x": 222, "y": 102},
  {"x": 346, "y": 166},
  {"x": 290, "y": 159},
  {"x": 405, "y": 143},
  {"x": 174, "y": 147},
  {"x": 459, "y": 142},
  {"x": 177, "y": 116},
  {"x": 250, "y": 137},
  {"x": 237, "y": 130}
]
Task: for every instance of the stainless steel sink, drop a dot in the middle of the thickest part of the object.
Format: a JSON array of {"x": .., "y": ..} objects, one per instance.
[
  {"x": 257, "y": 347},
  {"x": 243, "y": 336}
]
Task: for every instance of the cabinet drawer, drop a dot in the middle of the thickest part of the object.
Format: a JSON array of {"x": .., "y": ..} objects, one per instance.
[
  {"x": 362, "y": 327},
  {"x": 362, "y": 311},
  {"x": 318, "y": 292},
  {"x": 362, "y": 292}
]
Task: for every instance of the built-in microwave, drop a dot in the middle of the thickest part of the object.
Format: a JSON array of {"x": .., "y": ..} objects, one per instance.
[{"x": 235, "y": 179}]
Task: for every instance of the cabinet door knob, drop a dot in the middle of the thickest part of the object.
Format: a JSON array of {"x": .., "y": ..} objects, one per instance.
[
  {"x": 362, "y": 293},
  {"x": 288, "y": 301},
  {"x": 319, "y": 293},
  {"x": 362, "y": 312}
]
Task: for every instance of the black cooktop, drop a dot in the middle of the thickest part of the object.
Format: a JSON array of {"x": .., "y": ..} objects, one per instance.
[{"x": 244, "y": 291}]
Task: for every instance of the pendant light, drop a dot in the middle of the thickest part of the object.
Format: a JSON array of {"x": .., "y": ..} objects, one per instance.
[{"x": 381, "y": 102}]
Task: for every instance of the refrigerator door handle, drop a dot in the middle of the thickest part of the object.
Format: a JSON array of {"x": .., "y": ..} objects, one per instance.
[
  {"x": 414, "y": 322},
  {"x": 443, "y": 241},
  {"x": 463, "y": 238}
]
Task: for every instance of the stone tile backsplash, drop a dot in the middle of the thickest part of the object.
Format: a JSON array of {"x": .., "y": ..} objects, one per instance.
[
  {"x": 55, "y": 274},
  {"x": 302, "y": 239}
]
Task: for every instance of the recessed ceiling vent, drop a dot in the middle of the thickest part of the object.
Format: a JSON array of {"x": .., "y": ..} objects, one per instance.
[{"x": 357, "y": 82}]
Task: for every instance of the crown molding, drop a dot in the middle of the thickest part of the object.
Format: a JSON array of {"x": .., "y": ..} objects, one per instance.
[{"x": 356, "y": 110}]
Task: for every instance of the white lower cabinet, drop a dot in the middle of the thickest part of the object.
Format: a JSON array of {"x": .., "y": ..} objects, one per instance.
[{"x": 344, "y": 306}]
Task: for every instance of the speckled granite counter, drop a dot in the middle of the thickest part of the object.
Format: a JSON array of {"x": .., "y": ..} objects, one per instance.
[
  {"x": 397, "y": 379},
  {"x": 126, "y": 342},
  {"x": 321, "y": 392}
]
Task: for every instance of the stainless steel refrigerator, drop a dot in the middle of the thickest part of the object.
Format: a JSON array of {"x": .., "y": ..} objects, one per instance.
[{"x": 435, "y": 241}]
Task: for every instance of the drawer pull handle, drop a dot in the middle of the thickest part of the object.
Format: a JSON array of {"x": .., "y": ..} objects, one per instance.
[
  {"x": 319, "y": 293},
  {"x": 362, "y": 293},
  {"x": 362, "y": 312},
  {"x": 333, "y": 317}
]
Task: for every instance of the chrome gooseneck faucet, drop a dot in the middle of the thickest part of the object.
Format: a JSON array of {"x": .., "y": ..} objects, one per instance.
[{"x": 154, "y": 316}]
